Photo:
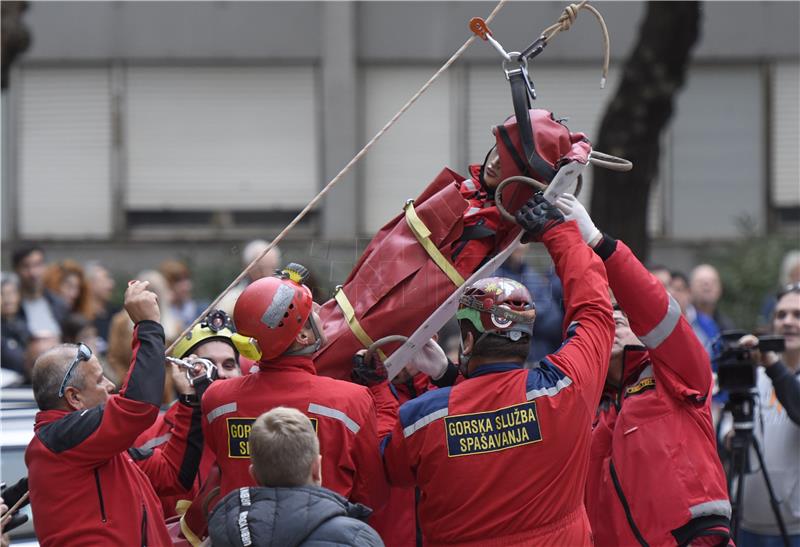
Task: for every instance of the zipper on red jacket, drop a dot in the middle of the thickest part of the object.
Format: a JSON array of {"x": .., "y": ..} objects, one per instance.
[
  {"x": 144, "y": 526},
  {"x": 625, "y": 506},
  {"x": 100, "y": 495}
]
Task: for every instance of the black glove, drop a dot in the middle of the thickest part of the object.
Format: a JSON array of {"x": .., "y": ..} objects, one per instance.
[
  {"x": 367, "y": 374},
  {"x": 537, "y": 216},
  {"x": 13, "y": 493},
  {"x": 16, "y": 521}
]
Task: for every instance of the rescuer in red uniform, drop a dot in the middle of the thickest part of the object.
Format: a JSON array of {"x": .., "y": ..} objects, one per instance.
[
  {"x": 654, "y": 477},
  {"x": 396, "y": 522},
  {"x": 210, "y": 339},
  {"x": 501, "y": 458},
  {"x": 276, "y": 312}
]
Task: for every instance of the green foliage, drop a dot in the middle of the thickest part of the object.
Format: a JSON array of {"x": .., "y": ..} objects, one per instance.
[{"x": 750, "y": 272}]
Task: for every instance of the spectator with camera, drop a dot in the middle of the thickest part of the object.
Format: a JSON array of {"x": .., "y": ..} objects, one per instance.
[{"x": 777, "y": 430}]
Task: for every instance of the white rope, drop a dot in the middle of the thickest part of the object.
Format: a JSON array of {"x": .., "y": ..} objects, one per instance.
[{"x": 338, "y": 176}]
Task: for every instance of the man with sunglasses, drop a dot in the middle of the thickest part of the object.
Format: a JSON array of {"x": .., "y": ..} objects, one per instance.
[{"x": 84, "y": 487}]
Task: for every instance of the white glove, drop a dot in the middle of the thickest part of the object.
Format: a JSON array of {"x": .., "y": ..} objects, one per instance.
[
  {"x": 574, "y": 210},
  {"x": 430, "y": 360}
]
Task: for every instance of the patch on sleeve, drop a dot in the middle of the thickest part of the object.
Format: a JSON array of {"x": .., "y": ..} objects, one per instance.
[
  {"x": 641, "y": 387},
  {"x": 239, "y": 432},
  {"x": 492, "y": 431}
]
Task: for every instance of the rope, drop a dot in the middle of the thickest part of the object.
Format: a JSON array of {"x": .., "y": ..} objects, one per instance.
[
  {"x": 8, "y": 515},
  {"x": 565, "y": 21},
  {"x": 336, "y": 179}
]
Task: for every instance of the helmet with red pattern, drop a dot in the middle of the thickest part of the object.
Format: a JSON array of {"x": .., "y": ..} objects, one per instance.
[{"x": 498, "y": 305}]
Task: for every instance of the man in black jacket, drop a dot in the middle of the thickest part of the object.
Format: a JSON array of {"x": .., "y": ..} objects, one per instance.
[{"x": 290, "y": 507}]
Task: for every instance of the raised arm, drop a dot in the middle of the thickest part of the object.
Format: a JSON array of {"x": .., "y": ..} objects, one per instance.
[
  {"x": 588, "y": 319},
  {"x": 97, "y": 434},
  {"x": 654, "y": 315}
]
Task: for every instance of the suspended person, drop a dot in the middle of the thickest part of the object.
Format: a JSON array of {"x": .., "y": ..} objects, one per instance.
[
  {"x": 501, "y": 458},
  {"x": 419, "y": 258}
]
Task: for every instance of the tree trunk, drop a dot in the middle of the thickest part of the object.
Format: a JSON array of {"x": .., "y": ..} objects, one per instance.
[
  {"x": 16, "y": 37},
  {"x": 635, "y": 118}
]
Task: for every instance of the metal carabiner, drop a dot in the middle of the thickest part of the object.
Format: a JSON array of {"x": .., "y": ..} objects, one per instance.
[
  {"x": 210, "y": 369},
  {"x": 534, "y": 49}
]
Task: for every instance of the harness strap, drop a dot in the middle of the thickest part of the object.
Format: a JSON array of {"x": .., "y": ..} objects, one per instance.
[
  {"x": 352, "y": 322},
  {"x": 423, "y": 235},
  {"x": 520, "y": 96}
]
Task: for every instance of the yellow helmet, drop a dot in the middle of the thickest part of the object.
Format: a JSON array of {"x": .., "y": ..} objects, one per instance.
[{"x": 217, "y": 325}]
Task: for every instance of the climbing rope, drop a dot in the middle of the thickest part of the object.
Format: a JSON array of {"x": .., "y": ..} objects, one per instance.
[
  {"x": 565, "y": 21},
  {"x": 336, "y": 179},
  {"x": 481, "y": 29}
]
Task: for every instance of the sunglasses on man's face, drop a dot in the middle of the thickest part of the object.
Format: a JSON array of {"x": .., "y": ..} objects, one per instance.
[{"x": 84, "y": 354}]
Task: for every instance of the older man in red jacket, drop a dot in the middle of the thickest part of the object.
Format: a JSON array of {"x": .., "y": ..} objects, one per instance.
[
  {"x": 84, "y": 487},
  {"x": 654, "y": 477}
]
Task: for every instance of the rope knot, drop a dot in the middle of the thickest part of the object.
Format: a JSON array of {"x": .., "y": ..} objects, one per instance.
[{"x": 568, "y": 16}]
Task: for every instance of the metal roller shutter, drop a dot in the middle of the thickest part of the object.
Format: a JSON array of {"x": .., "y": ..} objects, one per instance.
[
  {"x": 221, "y": 138},
  {"x": 64, "y": 132},
  {"x": 414, "y": 150},
  {"x": 718, "y": 153},
  {"x": 785, "y": 127}
]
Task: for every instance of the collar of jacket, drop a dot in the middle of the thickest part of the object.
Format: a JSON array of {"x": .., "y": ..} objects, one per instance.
[
  {"x": 494, "y": 367},
  {"x": 634, "y": 360},
  {"x": 288, "y": 362},
  {"x": 45, "y": 417}
]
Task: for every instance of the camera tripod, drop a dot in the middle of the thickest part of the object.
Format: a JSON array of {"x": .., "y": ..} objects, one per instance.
[{"x": 741, "y": 406}]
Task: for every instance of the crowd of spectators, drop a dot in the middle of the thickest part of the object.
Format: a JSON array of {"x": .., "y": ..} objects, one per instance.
[{"x": 48, "y": 302}]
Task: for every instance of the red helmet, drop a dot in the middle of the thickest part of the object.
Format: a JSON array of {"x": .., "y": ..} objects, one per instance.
[
  {"x": 552, "y": 145},
  {"x": 273, "y": 310},
  {"x": 498, "y": 305}
]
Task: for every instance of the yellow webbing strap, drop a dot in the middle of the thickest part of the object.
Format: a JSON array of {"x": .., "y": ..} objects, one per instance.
[
  {"x": 423, "y": 235},
  {"x": 352, "y": 321},
  {"x": 181, "y": 506},
  {"x": 190, "y": 536}
]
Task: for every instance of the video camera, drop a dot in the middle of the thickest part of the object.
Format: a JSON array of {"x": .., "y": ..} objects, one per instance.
[{"x": 736, "y": 368}]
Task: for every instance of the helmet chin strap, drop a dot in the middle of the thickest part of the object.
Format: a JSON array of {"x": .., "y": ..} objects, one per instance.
[{"x": 313, "y": 348}]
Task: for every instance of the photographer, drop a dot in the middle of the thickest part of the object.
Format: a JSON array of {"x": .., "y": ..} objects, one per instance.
[{"x": 777, "y": 416}]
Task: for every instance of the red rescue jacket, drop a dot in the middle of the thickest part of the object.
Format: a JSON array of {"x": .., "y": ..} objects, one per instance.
[
  {"x": 396, "y": 522},
  {"x": 655, "y": 477},
  {"x": 171, "y": 452},
  {"x": 343, "y": 414},
  {"x": 85, "y": 489},
  {"x": 501, "y": 458}
]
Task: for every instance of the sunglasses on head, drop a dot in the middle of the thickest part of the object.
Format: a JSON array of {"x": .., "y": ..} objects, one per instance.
[
  {"x": 794, "y": 287},
  {"x": 84, "y": 354}
]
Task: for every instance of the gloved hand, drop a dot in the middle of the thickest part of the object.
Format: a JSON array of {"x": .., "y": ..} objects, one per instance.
[
  {"x": 574, "y": 210},
  {"x": 429, "y": 360},
  {"x": 537, "y": 216},
  {"x": 367, "y": 374}
]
